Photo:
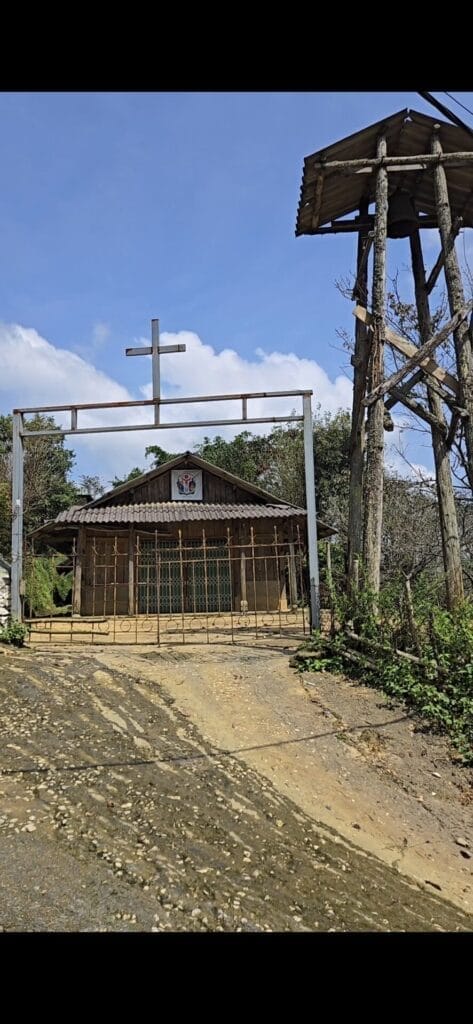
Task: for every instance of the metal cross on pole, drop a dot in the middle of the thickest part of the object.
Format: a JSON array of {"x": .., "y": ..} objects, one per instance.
[{"x": 155, "y": 352}]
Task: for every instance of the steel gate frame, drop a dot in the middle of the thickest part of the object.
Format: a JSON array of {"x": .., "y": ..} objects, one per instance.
[{"x": 21, "y": 436}]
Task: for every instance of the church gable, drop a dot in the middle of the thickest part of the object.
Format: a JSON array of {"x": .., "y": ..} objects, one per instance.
[{"x": 187, "y": 478}]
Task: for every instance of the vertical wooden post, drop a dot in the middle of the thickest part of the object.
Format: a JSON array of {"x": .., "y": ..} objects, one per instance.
[
  {"x": 357, "y": 439},
  {"x": 456, "y": 299},
  {"x": 443, "y": 473},
  {"x": 375, "y": 436},
  {"x": 77, "y": 588},
  {"x": 131, "y": 571}
]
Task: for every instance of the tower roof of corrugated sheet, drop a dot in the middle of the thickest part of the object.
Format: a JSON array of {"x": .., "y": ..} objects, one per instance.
[{"x": 408, "y": 133}]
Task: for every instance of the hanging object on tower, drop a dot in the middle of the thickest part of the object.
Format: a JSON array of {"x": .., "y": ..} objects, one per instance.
[{"x": 402, "y": 217}]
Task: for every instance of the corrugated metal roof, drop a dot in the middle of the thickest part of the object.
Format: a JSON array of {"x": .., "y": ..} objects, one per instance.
[
  {"x": 408, "y": 133},
  {"x": 173, "y": 512}
]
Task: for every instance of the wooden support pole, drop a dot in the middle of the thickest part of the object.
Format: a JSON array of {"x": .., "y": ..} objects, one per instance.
[
  {"x": 419, "y": 410},
  {"x": 79, "y": 561},
  {"x": 375, "y": 432},
  {"x": 420, "y": 354},
  {"x": 456, "y": 299},
  {"x": 443, "y": 473},
  {"x": 416, "y": 379},
  {"x": 131, "y": 571},
  {"x": 358, "y": 415},
  {"x": 452, "y": 430},
  {"x": 436, "y": 269},
  {"x": 365, "y": 242},
  {"x": 436, "y": 159},
  {"x": 422, "y": 377}
]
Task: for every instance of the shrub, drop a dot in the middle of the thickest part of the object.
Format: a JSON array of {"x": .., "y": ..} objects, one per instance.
[{"x": 14, "y": 633}]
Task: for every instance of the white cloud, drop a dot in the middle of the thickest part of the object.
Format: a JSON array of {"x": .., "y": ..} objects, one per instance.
[
  {"x": 100, "y": 333},
  {"x": 34, "y": 372}
]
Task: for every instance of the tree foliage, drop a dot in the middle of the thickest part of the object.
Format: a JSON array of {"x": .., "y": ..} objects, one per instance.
[
  {"x": 47, "y": 486},
  {"x": 159, "y": 455},
  {"x": 46, "y": 588},
  {"x": 91, "y": 485},
  {"x": 132, "y": 475}
]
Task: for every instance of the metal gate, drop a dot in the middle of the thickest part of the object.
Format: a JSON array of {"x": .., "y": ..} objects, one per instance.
[
  {"x": 150, "y": 589},
  {"x": 192, "y": 577}
]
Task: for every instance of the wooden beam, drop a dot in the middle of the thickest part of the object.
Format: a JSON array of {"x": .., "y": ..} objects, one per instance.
[
  {"x": 401, "y": 168},
  {"x": 420, "y": 355},
  {"x": 408, "y": 349},
  {"x": 426, "y": 159},
  {"x": 416, "y": 378},
  {"x": 434, "y": 273},
  {"x": 77, "y": 587},
  {"x": 338, "y": 227},
  {"x": 421, "y": 377},
  {"x": 419, "y": 410}
]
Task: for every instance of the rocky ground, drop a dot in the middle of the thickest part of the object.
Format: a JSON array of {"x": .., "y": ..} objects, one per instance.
[{"x": 206, "y": 789}]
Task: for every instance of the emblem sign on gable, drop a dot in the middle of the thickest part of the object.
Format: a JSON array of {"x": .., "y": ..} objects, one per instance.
[{"x": 186, "y": 484}]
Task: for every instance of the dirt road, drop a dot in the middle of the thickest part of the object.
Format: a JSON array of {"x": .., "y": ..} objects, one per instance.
[{"x": 207, "y": 789}]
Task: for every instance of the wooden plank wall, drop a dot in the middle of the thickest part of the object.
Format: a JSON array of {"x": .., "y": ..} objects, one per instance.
[
  {"x": 215, "y": 491},
  {"x": 263, "y": 581}
]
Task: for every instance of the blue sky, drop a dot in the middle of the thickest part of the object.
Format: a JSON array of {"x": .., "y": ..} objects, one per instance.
[{"x": 117, "y": 207}]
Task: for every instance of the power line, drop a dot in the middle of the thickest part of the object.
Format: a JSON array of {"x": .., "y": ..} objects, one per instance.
[
  {"x": 445, "y": 111},
  {"x": 459, "y": 104}
]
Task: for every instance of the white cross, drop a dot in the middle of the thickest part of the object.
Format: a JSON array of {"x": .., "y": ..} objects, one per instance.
[{"x": 155, "y": 352}]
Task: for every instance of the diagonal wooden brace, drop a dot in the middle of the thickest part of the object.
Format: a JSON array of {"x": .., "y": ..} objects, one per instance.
[
  {"x": 421, "y": 353},
  {"x": 429, "y": 366}
]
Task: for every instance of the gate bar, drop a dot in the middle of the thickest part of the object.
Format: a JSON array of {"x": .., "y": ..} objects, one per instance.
[
  {"x": 17, "y": 517},
  {"x": 314, "y": 586}
]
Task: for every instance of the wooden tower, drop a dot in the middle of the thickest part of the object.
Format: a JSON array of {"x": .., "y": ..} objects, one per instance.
[{"x": 399, "y": 177}]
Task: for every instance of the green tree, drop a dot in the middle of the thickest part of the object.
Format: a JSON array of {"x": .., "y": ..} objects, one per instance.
[
  {"x": 132, "y": 475},
  {"x": 247, "y": 455},
  {"x": 159, "y": 455},
  {"x": 91, "y": 485},
  {"x": 47, "y": 487}
]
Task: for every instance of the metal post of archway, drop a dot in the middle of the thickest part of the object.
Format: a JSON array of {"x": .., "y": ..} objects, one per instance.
[{"x": 21, "y": 435}]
